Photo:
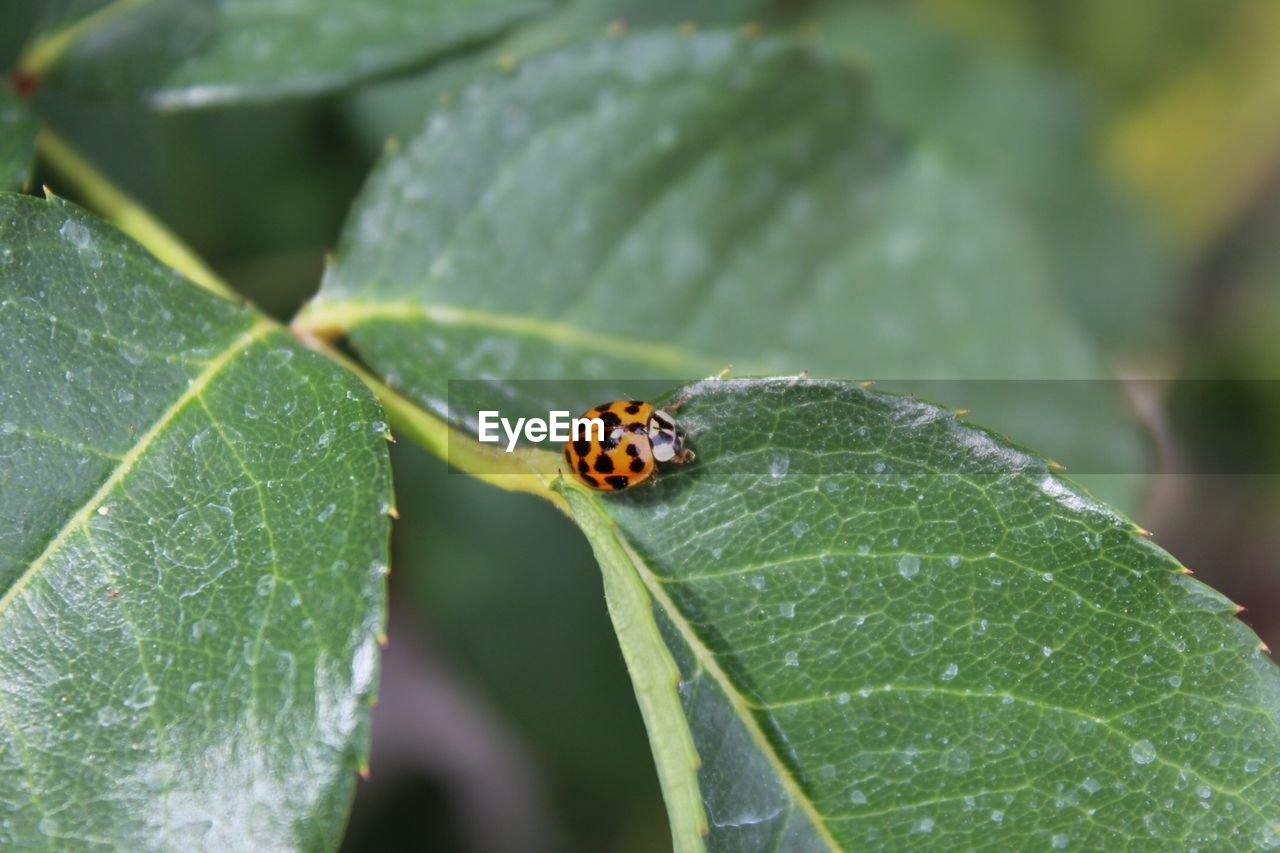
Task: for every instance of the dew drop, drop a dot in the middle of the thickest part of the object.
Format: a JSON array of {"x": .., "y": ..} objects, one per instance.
[
  {"x": 788, "y": 610},
  {"x": 109, "y": 715},
  {"x": 857, "y": 797},
  {"x": 75, "y": 234},
  {"x": 143, "y": 695},
  {"x": 916, "y": 637},
  {"x": 779, "y": 464},
  {"x": 950, "y": 672},
  {"x": 1143, "y": 751},
  {"x": 1060, "y": 841},
  {"x": 908, "y": 565},
  {"x": 326, "y": 512},
  {"x": 842, "y": 698},
  {"x": 923, "y": 826},
  {"x": 265, "y": 584},
  {"x": 791, "y": 658}
]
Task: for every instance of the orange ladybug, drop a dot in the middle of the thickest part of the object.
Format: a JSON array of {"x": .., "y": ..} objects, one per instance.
[{"x": 636, "y": 437}]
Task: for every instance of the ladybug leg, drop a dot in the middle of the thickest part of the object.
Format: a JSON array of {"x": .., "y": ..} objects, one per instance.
[{"x": 671, "y": 407}]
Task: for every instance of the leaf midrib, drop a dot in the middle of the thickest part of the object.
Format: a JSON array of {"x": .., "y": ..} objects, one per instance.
[
  {"x": 346, "y": 316},
  {"x": 707, "y": 661},
  {"x": 196, "y": 386}
]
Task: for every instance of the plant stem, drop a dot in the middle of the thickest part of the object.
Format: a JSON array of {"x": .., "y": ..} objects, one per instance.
[
  {"x": 531, "y": 471},
  {"x": 44, "y": 51},
  {"x": 525, "y": 470},
  {"x": 126, "y": 214}
]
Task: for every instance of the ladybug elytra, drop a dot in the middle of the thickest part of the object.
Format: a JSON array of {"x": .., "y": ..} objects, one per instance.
[{"x": 636, "y": 437}]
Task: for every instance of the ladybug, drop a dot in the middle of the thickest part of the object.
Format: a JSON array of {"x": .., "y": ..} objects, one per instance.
[{"x": 636, "y": 437}]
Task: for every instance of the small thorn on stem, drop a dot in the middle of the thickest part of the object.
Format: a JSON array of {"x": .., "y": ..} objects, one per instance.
[{"x": 23, "y": 83}]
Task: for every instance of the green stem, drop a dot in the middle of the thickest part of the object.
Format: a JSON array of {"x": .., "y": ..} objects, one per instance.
[
  {"x": 654, "y": 673},
  {"x": 525, "y": 470},
  {"x": 126, "y": 214},
  {"x": 44, "y": 51},
  {"x": 532, "y": 471}
]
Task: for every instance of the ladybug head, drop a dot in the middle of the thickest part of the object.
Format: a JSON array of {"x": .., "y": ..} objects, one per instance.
[{"x": 665, "y": 437}]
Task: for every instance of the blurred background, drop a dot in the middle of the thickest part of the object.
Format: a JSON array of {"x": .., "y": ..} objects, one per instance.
[{"x": 1148, "y": 131}]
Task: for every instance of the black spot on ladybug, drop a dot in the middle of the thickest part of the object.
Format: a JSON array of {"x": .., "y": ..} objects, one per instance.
[
  {"x": 583, "y": 467},
  {"x": 637, "y": 465},
  {"x": 633, "y": 450},
  {"x": 633, "y": 408},
  {"x": 582, "y": 447},
  {"x": 617, "y": 481},
  {"x": 590, "y": 481},
  {"x": 604, "y": 464},
  {"x": 610, "y": 419},
  {"x": 610, "y": 440}
]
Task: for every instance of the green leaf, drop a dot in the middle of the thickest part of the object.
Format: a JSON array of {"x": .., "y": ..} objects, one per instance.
[
  {"x": 663, "y": 205},
  {"x": 193, "y": 537},
  {"x": 895, "y": 630},
  {"x": 17, "y": 141},
  {"x": 180, "y": 54},
  {"x": 1030, "y": 131}
]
